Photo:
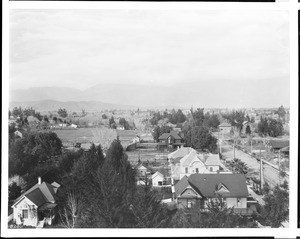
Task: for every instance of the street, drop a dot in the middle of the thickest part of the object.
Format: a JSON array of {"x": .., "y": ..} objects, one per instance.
[{"x": 270, "y": 174}]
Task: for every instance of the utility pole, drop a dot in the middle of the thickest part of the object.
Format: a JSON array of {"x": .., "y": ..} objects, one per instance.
[
  {"x": 279, "y": 165},
  {"x": 261, "y": 171}
]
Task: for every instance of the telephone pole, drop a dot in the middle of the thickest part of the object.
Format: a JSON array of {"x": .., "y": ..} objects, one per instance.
[{"x": 261, "y": 171}]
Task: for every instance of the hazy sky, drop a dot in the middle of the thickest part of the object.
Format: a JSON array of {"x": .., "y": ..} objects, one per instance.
[{"x": 82, "y": 48}]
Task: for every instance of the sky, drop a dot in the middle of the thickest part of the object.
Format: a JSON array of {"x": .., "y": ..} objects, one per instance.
[{"x": 83, "y": 48}]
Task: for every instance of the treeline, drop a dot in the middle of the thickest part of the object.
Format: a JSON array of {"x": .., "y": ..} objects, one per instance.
[
  {"x": 270, "y": 127},
  {"x": 174, "y": 117}
]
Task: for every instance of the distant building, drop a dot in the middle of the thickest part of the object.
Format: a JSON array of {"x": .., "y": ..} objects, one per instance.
[
  {"x": 225, "y": 128},
  {"x": 73, "y": 126},
  {"x": 276, "y": 145},
  {"x": 170, "y": 140}
]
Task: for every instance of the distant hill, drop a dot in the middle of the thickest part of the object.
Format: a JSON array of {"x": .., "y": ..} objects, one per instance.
[
  {"x": 74, "y": 106},
  {"x": 209, "y": 94}
]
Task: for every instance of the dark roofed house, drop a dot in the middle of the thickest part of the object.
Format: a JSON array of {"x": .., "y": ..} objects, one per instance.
[
  {"x": 202, "y": 188},
  {"x": 170, "y": 140},
  {"x": 278, "y": 144},
  {"x": 35, "y": 206}
]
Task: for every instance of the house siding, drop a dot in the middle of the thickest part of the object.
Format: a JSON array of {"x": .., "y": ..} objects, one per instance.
[
  {"x": 32, "y": 216},
  {"x": 157, "y": 179}
]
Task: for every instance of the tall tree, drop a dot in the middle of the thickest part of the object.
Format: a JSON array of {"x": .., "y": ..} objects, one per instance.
[{"x": 276, "y": 208}]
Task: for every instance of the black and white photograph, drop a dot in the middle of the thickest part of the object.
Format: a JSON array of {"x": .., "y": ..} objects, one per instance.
[{"x": 155, "y": 116}]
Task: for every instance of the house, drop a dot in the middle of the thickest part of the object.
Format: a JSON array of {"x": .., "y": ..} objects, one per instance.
[
  {"x": 203, "y": 188},
  {"x": 277, "y": 145},
  {"x": 186, "y": 161},
  {"x": 157, "y": 179},
  {"x": 212, "y": 162},
  {"x": 142, "y": 170},
  {"x": 225, "y": 128},
  {"x": 18, "y": 133},
  {"x": 285, "y": 150},
  {"x": 73, "y": 126},
  {"x": 170, "y": 140},
  {"x": 35, "y": 206},
  {"x": 186, "y": 165}
]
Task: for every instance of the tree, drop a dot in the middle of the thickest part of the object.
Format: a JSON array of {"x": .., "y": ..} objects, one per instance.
[
  {"x": 25, "y": 153},
  {"x": 217, "y": 215},
  {"x": 275, "y": 128},
  {"x": 62, "y": 113},
  {"x": 200, "y": 139},
  {"x": 104, "y": 116},
  {"x": 112, "y": 122},
  {"x": 71, "y": 213},
  {"x": 248, "y": 130},
  {"x": 14, "y": 191},
  {"x": 198, "y": 116},
  {"x": 238, "y": 166},
  {"x": 281, "y": 112},
  {"x": 276, "y": 208}
]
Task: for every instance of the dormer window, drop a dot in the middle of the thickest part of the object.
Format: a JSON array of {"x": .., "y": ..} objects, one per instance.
[{"x": 186, "y": 170}]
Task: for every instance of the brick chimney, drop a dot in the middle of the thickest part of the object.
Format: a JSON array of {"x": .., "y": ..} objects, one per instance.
[{"x": 39, "y": 180}]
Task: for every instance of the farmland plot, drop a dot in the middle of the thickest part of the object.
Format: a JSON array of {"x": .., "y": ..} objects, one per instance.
[{"x": 97, "y": 136}]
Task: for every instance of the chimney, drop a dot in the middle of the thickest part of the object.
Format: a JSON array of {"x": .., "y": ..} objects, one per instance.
[{"x": 39, "y": 180}]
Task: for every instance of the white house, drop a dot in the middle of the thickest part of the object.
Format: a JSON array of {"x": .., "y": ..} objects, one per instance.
[
  {"x": 157, "y": 179},
  {"x": 213, "y": 162},
  {"x": 73, "y": 126},
  {"x": 225, "y": 128},
  {"x": 188, "y": 164},
  {"x": 35, "y": 206}
]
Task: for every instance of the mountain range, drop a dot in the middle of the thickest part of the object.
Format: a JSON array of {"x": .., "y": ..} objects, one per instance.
[{"x": 214, "y": 94}]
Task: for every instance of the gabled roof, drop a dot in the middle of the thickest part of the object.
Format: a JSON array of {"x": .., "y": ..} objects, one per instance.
[
  {"x": 285, "y": 149},
  {"x": 278, "y": 144},
  {"x": 206, "y": 184},
  {"x": 225, "y": 124},
  {"x": 212, "y": 160},
  {"x": 157, "y": 174},
  {"x": 164, "y": 136},
  {"x": 181, "y": 152},
  {"x": 141, "y": 165},
  {"x": 37, "y": 197},
  {"x": 173, "y": 134},
  {"x": 181, "y": 186},
  {"x": 34, "y": 195},
  {"x": 188, "y": 159}
]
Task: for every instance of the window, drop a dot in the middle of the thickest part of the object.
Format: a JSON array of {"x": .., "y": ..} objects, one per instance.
[
  {"x": 197, "y": 170},
  {"x": 160, "y": 183},
  {"x": 189, "y": 203},
  {"x": 238, "y": 200},
  {"x": 211, "y": 169},
  {"x": 186, "y": 170},
  {"x": 25, "y": 213}
]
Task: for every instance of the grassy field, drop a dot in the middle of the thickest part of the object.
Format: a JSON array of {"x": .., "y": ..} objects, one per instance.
[{"x": 103, "y": 136}]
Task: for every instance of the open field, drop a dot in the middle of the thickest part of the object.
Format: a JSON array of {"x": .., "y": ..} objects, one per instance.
[{"x": 103, "y": 136}]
